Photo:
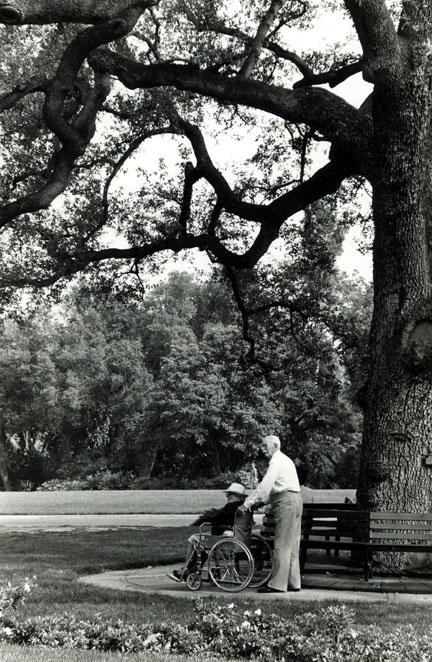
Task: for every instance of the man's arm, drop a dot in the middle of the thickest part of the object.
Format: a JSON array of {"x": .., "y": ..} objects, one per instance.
[
  {"x": 262, "y": 492},
  {"x": 205, "y": 517}
]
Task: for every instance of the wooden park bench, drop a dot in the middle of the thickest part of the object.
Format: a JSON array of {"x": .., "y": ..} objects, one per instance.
[
  {"x": 335, "y": 527},
  {"x": 398, "y": 532}
]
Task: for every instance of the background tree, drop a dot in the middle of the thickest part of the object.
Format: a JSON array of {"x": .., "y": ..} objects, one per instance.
[{"x": 99, "y": 385}]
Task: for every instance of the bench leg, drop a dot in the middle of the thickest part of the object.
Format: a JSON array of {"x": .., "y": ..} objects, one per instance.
[
  {"x": 303, "y": 552},
  {"x": 368, "y": 565}
]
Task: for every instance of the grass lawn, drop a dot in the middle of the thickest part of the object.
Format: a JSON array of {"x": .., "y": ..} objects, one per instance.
[
  {"x": 58, "y": 558},
  {"x": 111, "y": 502},
  {"x": 42, "y": 654}
]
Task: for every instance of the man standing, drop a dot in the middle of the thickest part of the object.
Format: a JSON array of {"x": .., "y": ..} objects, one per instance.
[{"x": 280, "y": 486}]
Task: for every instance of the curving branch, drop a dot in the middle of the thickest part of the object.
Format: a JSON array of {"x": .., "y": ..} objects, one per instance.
[
  {"x": 134, "y": 145},
  {"x": 62, "y": 165},
  {"x": 257, "y": 42},
  {"x": 35, "y": 84},
  {"x": 73, "y": 130},
  {"x": 42, "y": 12},
  {"x": 323, "y": 111},
  {"x": 76, "y": 134},
  {"x": 324, "y": 182},
  {"x": 271, "y": 216},
  {"x": 69, "y": 265},
  {"x": 245, "y": 314}
]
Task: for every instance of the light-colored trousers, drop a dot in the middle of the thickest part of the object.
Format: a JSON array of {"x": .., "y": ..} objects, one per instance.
[{"x": 287, "y": 511}]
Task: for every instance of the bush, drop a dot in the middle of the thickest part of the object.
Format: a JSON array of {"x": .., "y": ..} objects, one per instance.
[
  {"x": 219, "y": 482},
  {"x": 100, "y": 480},
  {"x": 110, "y": 480},
  {"x": 65, "y": 484},
  {"x": 221, "y": 630}
]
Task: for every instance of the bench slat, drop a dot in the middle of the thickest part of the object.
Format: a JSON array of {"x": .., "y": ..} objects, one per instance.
[
  {"x": 345, "y": 514},
  {"x": 394, "y": 526},
  {"x": 401, "y": 516},
  {"x": 400, "y": 535},
  {"x": 399, "y": 547},
  {"x": 334, "y": 544}
]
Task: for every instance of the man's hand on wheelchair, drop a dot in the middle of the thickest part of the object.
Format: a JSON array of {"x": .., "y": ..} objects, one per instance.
[{"x": 251, "y": 508}]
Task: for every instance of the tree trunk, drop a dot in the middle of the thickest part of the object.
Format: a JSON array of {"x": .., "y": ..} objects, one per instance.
[
  {"x": 4, "y": 462},
  {"x": 397, "y": 441},
  {"x": 147, "y": 459}
]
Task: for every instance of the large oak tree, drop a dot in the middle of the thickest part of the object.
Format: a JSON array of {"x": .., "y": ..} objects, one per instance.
[{"x": 152, "y": 68}]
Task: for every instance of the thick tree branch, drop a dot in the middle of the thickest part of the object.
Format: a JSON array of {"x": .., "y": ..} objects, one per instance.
[
  {"x": 272, "y": 215},
  {"x": 36, "y": 84},
  {"x": 75, "y": 134},
  {"x": 325, "y": 181},
  {"x": 322, "y": 110},
  {"x": 62, "y": 164},
  {"x": 333, "y": 77},
  {"x": 378, "y": 37},
  {"x": 69, "y": 265},
  {"x": 42, "y": 12}
]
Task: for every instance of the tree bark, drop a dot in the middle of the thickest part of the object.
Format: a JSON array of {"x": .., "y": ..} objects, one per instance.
[
  {"x": 395, "y": 475},
  {"x": 21, "y": 12}
]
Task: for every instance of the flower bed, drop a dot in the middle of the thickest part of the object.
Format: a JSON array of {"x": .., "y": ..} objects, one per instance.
[{"x": 221, "y": 630}]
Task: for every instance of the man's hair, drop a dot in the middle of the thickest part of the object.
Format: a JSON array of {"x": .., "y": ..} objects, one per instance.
[{"x": 273, "y": 439}]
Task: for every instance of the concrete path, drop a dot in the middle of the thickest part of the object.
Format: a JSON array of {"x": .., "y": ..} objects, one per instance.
[{"x": 155, "y": 580}]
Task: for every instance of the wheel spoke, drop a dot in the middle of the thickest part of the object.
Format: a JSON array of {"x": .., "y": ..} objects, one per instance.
[{"x": 230, "y": 565}]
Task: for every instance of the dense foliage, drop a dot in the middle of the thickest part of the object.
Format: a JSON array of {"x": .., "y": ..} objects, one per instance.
[
  {"x": 222, "y": 630},
  {"x": 103, "y": 392}
]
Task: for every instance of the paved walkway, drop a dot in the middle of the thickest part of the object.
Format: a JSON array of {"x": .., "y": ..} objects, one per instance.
[{"x": 319, "y": 587}]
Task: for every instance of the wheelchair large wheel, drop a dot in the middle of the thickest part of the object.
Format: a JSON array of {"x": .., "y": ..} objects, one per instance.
[
  {"x": 230, "y": 565},
  {"x": 262, "y": 556}
]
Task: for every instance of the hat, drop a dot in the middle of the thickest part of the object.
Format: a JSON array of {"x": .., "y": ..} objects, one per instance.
[{"x": 236, "y": 488}]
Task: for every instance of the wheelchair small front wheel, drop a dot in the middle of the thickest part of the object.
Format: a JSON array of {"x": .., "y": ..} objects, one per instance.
[
  {"x": 194, "y": 581},
  {"x": 230, "y": 565}
]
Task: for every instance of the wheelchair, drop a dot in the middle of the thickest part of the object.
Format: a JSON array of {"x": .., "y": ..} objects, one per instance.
[{"x": 227, "y": 561}]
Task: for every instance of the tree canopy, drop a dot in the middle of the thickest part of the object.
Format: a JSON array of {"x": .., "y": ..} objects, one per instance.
[{"x": 99, "y": 81}]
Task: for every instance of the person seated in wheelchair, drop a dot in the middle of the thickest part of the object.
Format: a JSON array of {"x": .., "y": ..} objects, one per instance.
[{"x": 220, "y": 520}]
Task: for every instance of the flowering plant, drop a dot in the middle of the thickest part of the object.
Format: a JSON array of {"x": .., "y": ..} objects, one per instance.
[{"x": 11, "y": 595}]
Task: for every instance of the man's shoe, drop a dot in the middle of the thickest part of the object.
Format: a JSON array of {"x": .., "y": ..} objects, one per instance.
[
  {"x": 176, "y": 575},
  {"x": 268, "y": 589}
]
